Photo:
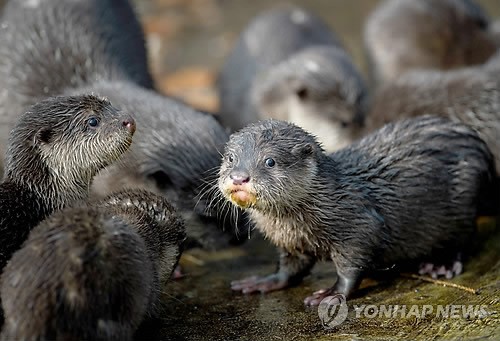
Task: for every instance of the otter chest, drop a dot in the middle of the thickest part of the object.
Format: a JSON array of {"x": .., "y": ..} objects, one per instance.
[{"x": 290, "y": 233}]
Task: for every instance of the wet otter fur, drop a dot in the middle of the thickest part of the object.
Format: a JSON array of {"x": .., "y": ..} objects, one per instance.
[
  {"x": 403, "y": 35},
  {"x": 55, "y": 150},
  {"x": 92, "y": 273},
  {"x": 405, "y": 193}
]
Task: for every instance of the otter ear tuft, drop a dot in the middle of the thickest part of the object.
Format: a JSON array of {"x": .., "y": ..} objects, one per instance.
[
  {"x": 303, "y": 149},
  {"x": 44, "y": 135}
]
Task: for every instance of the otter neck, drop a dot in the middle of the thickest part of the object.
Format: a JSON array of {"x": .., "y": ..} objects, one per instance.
[
  {"x": 55, "y": 190},
  {"x": 301, "y": 225}
]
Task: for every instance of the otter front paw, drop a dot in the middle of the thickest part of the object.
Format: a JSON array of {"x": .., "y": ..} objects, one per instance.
[
  {"x": 260, "y": 284},
  {"x": 318, "y": 296}
]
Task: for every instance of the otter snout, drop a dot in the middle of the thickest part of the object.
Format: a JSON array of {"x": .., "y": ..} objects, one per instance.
[
  {"x": 129, "y": 123},
  {"x": 239, "y": 177}
]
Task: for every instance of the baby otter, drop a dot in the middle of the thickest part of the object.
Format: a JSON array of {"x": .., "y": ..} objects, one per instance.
[
  {"x": 401, "y": 35},
  {"x": 48, "y": 46},
  {"x": 410, "y": 191},
  {"x": 54, "y": 151},
  {"x": 92, "y": 273},
  {"x": 288, "y": 64}
]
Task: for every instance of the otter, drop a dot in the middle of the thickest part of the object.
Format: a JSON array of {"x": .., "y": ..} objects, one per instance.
[
  {"x": 287, "y": 64},
  {"x": 470, "y": 95},
  {"x": 54, "y": 151},
  {"x": 176, "y": 153},
  {"x": 406, "y": 193},
  {"x": 401, "y": 35},
  {"x": 48, "y": 46},
  {"x": 92, "y": 273}
]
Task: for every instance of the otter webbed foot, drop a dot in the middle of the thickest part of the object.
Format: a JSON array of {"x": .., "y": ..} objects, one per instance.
[
  {"x": 264, "y": 284},
  {"x": 435, "y": 270},
  {"x": 318, "y": 296},
  {"x": 345, "y": 285}
]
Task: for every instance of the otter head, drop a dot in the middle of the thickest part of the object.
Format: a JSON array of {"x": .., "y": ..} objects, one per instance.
[
  {"x": 320, "y": 90},
  {"x": 269, "y": 166},
  {"x": 60, "y": 143}
]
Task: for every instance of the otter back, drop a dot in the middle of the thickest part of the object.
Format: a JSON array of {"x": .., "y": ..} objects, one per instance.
[
  {"x": 401, "y": 35},
  {"x": 470, "y": 96}
]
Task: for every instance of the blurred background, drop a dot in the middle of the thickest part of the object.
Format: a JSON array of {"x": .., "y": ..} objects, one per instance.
[{"x": 188, "y": 39}]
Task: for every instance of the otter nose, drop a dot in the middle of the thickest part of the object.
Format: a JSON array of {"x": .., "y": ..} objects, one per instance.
[
  {"x": 129, "y": 123},
  {"x": 239, "y": 177}
]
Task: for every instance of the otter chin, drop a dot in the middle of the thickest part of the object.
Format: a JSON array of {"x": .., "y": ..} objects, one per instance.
[
  {"x": 243, "y": 198},
  {"x": 241, "y": 195}
]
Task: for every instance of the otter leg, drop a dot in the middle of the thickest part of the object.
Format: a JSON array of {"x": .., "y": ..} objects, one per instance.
[
  {"x": 347, "y": 282},
  {"x": 448, "y": 270},
  {"x": 292, "y": 268}
]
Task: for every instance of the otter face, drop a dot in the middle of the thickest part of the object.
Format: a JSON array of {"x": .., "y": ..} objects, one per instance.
[
  {"x": 68, "y": 139},
  {"x": 267, "y": 166},
  {"x": 318, "y": 89}
]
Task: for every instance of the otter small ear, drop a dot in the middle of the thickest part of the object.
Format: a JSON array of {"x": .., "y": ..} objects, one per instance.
[
  {"x": 44, "y": 135},
  {"x": 303, "y": 149}
]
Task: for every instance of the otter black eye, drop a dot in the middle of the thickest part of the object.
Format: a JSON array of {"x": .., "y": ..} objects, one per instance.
[
  {"x": 93, "y": 122},
  {"x": 344, "y": 124},
  {"x": 270, "y": 162},
  {"x": 230, "y": 158}
]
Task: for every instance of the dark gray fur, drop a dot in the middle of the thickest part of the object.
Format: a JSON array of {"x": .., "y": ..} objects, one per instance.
[
  {"x": 401, "y": 35},
  {"x": 52, "y": 157},
  {"x": 47, "y": 46},
  {"x": 409, "y": 191},
  {"x": 470, "y": 96},
  {"x": 266, "y": 72},
  {"x": 92, "y": 273}
]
